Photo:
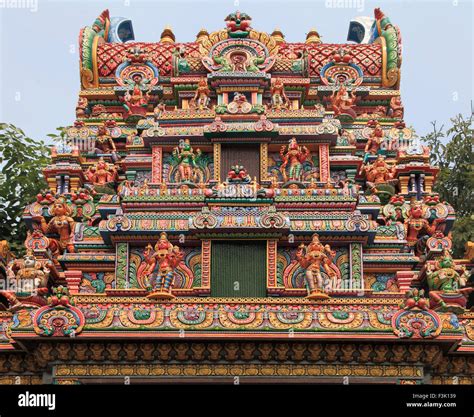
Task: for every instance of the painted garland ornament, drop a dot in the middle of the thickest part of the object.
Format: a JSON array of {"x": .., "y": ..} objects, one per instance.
[{"x": 59, "y": 317}]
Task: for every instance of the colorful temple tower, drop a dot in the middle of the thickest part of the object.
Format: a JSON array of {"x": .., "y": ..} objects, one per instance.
[{"x": 237, "y": 206}]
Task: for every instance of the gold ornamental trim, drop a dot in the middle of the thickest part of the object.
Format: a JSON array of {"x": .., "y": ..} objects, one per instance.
[{"x": 233, "y": 370}]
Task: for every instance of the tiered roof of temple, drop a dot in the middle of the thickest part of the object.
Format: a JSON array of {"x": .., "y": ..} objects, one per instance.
[{"x": 238, "y": 204}]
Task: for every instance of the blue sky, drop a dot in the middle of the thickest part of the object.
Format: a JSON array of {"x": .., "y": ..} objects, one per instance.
[{"x": 39, "y": 75}]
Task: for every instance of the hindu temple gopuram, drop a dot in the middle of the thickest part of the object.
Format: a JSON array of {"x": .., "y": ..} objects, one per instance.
[{"x": 237, "y": 206}]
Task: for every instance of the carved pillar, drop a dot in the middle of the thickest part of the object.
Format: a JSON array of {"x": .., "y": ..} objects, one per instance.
[
  {"x": 429, "y": 179},
  {"x": 206, "y": 264},
  {"x": 121, "y": 265},
  {"x": 404, "y": 279},
  {"x": 156, "y": 164},
  {"x": 403, "y": 184},
  {"x": 271, "y": 263},
  {"x": 217, "y": 162},
  {"x": 356, "y": 267},
  {"x": 324, "y": 169},
  {"x": 263, "y": 161}
]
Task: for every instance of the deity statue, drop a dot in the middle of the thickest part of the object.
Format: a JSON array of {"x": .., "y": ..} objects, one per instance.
[
  {"x": 295, "y": 155},
  {"x": 447, "y": 283},
  {"x": 181, "y": 64},
  {"x": 396, "y": 107},
  {"x": 28, "y": 281},
  {"x": 61, "y": 224},
  {"x": 186, "y": 160},
  {"x": 343, "y": 103},
  {"x": 81, "y": 107},
  {"x": 104, "y": 143},
  {"x": 159, "y": 266},
  {"x": 135, "y": 102},
  {"x": 375, "y": 141},
  {"x": 279, "y": 98},
  {"x": 102, "y": 173},
  {"x": 416, "y": 226},
  {"x": 314, "y": 257},
  {"x": 238, "y": 24},
  {"x": 201, "y": 98},
  {"x": 378, "y": 172}
]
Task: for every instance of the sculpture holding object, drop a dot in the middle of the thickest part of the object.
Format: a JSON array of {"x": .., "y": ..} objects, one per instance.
[
  {"x": 294, "y": 156},
  {"x": 447, "y": 283},
  {"x": 27, "y": 282},
  {"x": 343, "y": 103},
  {"x": 395, "y": 211},
  {"x": 158, "y": 267},
  {"x": 201, "y": 99},
  {"x": 376, "y": 139},
  {"x": 135, "y": 101},
  {"x": 186, "y": 159},
  {"x": 138, "y": 75},
  {"x": 417, "y": 226},
  {"x": 61, "y": 225},
  {"x": 314, "y": 257},
  {"x": 279, "y": 98}
]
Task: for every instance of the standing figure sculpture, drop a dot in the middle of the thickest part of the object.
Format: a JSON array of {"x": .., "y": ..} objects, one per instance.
[
  {"x": 186, "y": 158},
  {"x": 160, "y": 264},
  {"x": 62, "y": 225},
  {"x": 375, "y": 141},
  {"x": 201, "y": 98},
  {"x": 279, "y": 98},
  {"x": 314, "y": 257},
  {"x": 295, "y": 156},
  {"x": 417, "y": 226}
]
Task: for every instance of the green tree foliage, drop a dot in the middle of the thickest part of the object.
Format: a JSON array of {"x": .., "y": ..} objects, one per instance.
[
  {"x": 21, "y": 162},
  {"x": 453, "y": 153}
]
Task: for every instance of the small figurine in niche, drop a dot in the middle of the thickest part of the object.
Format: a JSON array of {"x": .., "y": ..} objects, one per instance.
[
  {"x": 295, "y": 156},
  {"x": 314, "y": 257}
]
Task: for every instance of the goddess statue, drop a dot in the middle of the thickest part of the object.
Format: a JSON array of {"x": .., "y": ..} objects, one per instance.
[
  {"x": 61, "y": 224},
  {"x": 295, "y": 156}
]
